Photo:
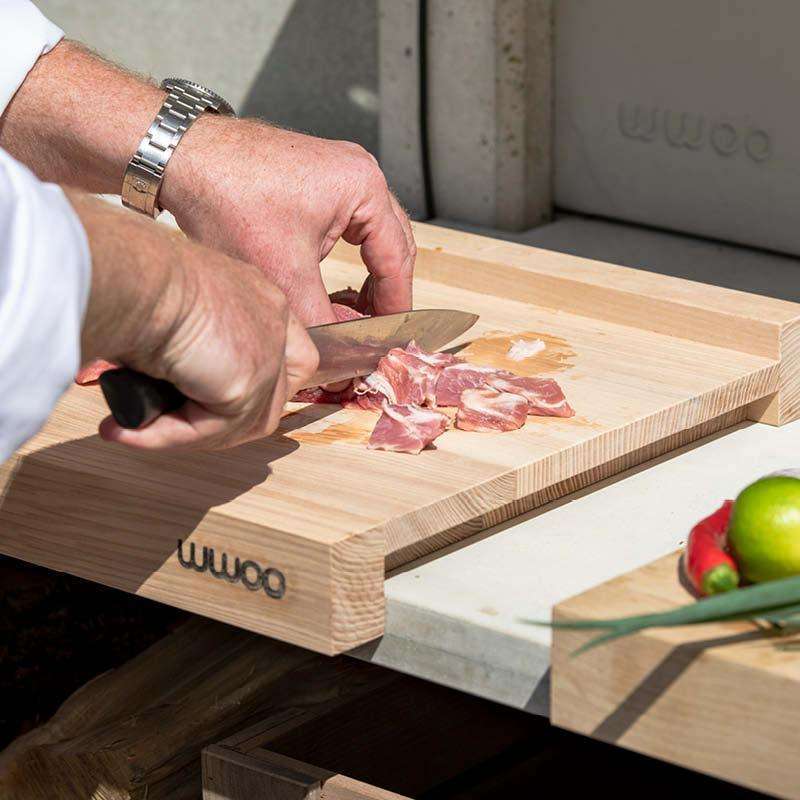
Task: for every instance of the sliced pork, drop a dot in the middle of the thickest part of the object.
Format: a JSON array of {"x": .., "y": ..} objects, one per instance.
[
  {"x": 455, "y": 378},
  {"x": 544, "y": 395},
  {"x": 345, "y": 313},
  {"x": 401, "y": 378},
  {"x": 407, "y": 428},
  {"x": 439, "y": 360},
  {"x": 490, "y": 410},
  {"x": 369, "y": 393},
  {"x": 316, "y": 394}
]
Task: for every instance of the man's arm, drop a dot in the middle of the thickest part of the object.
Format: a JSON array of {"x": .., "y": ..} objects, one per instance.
[
  {"x": 77, "y": 119},
  {"x": 271, "y": 197},
  {"x": 171, "y": 308},
  {"x": 213, "y": 326}
]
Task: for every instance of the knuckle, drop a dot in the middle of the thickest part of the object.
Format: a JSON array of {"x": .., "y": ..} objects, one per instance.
[{"x": 367, "y": 165}]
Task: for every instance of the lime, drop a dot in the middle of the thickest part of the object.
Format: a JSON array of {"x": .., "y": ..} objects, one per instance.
[{"x": 764, "y": 532}]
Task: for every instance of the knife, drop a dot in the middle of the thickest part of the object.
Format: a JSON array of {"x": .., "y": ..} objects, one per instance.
[{"x": 346, "y": 350}]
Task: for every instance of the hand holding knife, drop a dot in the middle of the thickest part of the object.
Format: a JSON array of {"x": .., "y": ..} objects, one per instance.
[{"x": 346, "y": 349}]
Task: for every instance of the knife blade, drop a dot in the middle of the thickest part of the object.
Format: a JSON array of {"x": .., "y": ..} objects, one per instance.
[
  {"x": 347, "y": 350},
  {"x": 353, "y": 348}
]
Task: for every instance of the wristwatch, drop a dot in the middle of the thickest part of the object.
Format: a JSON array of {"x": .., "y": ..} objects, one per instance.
[{"x": 184, "y": 103}]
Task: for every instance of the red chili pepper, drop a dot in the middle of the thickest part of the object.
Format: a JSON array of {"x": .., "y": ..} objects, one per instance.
[{"x": 708, "y": 565}]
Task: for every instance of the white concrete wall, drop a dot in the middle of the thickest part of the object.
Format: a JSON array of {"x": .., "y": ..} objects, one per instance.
[
  {"x": 489, "y": 77},
  {"x": 307, "y": 64},
  {"x": 682, "y": 115}
]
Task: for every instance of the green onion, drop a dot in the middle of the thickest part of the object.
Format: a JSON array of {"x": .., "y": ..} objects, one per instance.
[{"x": 777, "y": 602}]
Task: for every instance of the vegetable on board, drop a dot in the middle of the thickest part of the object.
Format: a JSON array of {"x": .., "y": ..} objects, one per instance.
[
  {"x": 777, "y": 602},
  {"x": 707, "y": 563}
]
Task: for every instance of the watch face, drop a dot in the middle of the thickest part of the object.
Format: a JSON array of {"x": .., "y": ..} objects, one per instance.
[{"x": 221, "y": 105}]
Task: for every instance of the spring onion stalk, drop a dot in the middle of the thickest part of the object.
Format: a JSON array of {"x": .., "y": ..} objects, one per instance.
[{"x": 777, "y": 602}]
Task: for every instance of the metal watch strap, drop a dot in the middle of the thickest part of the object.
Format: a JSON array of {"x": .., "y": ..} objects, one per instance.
[{"x": 184, "y": 103}]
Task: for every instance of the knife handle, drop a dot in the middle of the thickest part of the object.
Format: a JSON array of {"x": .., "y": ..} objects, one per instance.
[{"x": 136, "y": 399}]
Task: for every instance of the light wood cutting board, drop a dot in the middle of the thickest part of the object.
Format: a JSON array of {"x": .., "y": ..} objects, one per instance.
[
  {"x": 315, "y": 518},
  {"x": 722, "y": 698}
]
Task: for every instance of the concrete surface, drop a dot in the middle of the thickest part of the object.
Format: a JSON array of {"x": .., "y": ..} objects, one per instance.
[
  {"x": 689, "y": 257},
  {"x": 458, "y": 618},
  {"x": 399, "y": 81},
  {"x": 681, "y": 115},
  {"x": 489, "y": 111},
  {"x": 311, "y": 65}
]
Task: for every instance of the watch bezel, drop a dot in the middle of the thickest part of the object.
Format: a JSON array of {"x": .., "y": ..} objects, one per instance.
[{"x": 222, "y": 105}]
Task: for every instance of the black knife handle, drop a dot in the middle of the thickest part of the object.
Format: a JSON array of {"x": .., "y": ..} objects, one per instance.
[{"x": 136, "y": 399}]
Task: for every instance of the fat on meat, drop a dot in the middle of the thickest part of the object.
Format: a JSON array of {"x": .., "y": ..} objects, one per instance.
[
  {"x": 454, "y": 379},
  {"x": 407, "y": 428},
  {"x": 490, "y": 410},
  {"x": 544, "y": 395},
  {"x": 401, "y": 378},
  {"x": 440, "y": 360}
]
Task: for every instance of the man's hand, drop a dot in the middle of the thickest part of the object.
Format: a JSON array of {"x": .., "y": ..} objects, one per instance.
[
  {"x": 281, "y": 200},
  {"x": 276, "y": 199},
  {"x": 213, "y": 326}
]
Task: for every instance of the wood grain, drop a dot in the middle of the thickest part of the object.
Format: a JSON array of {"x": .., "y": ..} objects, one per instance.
[
  {"x": 641, "y": 357},
  {"x": 663, "y": 304},
  {"x": 723, "y": 698}
]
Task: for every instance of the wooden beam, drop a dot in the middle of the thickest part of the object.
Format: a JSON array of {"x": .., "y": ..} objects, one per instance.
[
  {"x": 231, "y": 775},
  {"x": 404, "y": 736},
  {"x": 137, "y": 731}
]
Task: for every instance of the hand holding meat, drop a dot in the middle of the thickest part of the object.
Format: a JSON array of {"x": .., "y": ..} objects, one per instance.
[
  {"x": 213, "y": 326},
  {"x": 274, "y": 198},
  {"x": 281, "y": 200}
]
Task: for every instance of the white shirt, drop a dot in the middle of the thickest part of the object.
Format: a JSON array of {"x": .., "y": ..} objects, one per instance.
[{"x": 45, "y": 265}]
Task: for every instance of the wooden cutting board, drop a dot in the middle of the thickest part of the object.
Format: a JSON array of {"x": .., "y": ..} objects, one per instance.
[
  {"x": 315, "y": 518},
  {"x": 722, "y": 698}
]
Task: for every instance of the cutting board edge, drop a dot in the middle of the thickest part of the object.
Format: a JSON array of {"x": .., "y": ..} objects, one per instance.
[
  {"x": 681, "y": 694},
  {"x": 406, "y": 535}
]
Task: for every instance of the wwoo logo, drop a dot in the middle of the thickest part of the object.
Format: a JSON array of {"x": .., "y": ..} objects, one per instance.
[
  {"x": 250, "y": 574},
  {"x": 693, "y": 131}
]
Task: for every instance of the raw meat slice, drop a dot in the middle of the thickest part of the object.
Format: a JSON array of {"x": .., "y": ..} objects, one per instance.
[
  {"x": 345, "y": 297},
  {"x": 413, "y": 380},
  {"x": 544, "y": 395},
  {"x": 407, "y": 428},
  {"x": 434, "y": 359},
  {"x": 316, "y": 394},
  {"x": 490, "y": 410},
  {"x": 456, "y": 378},
  {"x": 345, "y": 313},
  {"x": 369, "y": 393},
  {"x": 401, "y": 378},
  {"x": 360, "y": 300},
  {"x": 91, "y": 372}
]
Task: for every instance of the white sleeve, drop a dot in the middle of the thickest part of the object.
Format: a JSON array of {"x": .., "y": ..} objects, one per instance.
[
  {"x": 45, "y": 276},
  {"x": 25, "y": 34}
]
